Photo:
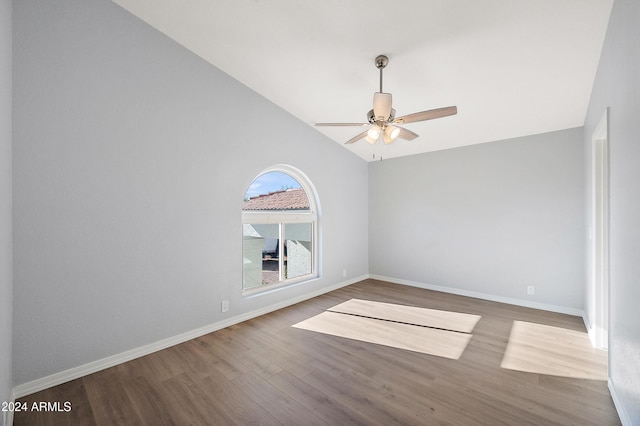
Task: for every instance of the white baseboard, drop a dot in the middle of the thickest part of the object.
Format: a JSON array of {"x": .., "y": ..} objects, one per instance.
[
  {"x": 624, "y": 417},
  {"x": 484, "y": 296},
  {"x": 76, "y": 372},
  {"x": 591, "y": 332}
]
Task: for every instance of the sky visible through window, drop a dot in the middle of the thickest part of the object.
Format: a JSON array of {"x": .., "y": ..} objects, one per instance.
[{"x": 271, "y": 182}]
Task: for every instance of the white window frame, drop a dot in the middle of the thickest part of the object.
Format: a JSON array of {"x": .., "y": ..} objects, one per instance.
[{"x": 282, "y": 218}]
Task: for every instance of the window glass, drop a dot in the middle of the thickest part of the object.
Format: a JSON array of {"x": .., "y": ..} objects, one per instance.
[
  {"x": 269, "y": 183},
  {"x": 298, "y": 238},
  {"x": 260, "y": 260}
]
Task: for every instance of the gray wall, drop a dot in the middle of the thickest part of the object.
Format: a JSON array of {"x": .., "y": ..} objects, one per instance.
[
  {"x": 6, "y": 280},
  {"x": 131, "y": 160},
  {"x": 490, "y": 218},
  {"x": 617, "y": 86}
]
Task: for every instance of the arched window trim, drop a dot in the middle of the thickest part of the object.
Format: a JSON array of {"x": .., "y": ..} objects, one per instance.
[{"x": 281, "y": 217}]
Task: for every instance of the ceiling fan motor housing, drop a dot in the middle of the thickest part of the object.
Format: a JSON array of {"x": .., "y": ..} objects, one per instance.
[
  {"x": 371, "y": 117},
  {"x": 382, "y": 106}
]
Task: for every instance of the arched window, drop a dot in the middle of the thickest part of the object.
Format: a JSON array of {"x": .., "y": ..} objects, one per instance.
[{"x": 280, "y": 230}]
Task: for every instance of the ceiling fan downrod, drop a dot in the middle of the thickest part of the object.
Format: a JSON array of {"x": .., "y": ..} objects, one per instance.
[{"x": 381, "y": 62}]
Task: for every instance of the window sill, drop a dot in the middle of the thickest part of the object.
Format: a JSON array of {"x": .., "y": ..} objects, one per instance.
[{"x": 270, "y": 288}]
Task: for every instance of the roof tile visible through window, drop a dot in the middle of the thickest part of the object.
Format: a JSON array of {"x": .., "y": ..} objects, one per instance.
[{"x": 290, "y": 199}]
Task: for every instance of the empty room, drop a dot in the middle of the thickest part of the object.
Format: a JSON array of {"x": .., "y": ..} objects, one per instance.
[{"x": 319, "y": 213}]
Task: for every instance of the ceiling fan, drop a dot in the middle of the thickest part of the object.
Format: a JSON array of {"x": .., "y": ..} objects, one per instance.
[{"x": 382, "y": 119}]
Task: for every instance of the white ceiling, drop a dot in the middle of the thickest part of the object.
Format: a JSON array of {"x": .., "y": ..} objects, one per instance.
[{"x": 512, "y": 67}]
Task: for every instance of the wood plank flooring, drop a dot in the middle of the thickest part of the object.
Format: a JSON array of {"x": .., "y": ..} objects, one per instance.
[{"x": 264, "y": 371}]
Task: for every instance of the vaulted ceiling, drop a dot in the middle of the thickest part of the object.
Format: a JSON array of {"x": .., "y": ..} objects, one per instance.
[{"x": 513, "y": 68}]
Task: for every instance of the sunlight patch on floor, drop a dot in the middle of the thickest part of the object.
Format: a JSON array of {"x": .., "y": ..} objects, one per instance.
[
  {"x": 440, "y": 333},
  {"x": 446, "y": 320},
  {"x": 543, "y": 349}
]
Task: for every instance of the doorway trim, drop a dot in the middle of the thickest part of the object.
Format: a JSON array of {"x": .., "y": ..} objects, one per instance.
[{"x": 600, "y": 235}]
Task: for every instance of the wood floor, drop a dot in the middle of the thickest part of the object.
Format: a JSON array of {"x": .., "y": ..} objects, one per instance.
[{"x": 264, "y": 371}]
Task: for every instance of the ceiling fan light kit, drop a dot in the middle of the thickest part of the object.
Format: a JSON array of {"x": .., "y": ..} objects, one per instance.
[
  {"x": 390, "y": 134},
  {"x": 372, "y": 135},
  {"x": 382, "y": 117}
]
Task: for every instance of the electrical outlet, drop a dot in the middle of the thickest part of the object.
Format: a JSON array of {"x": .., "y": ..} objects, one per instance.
[
  {"x": 344, "y": 273},
  {"x": 224, "y": 306},
  {"x": 531, "y": 290}
]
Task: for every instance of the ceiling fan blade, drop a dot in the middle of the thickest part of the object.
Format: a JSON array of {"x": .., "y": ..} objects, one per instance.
[
  {"x": 407, "y": 135},
  {"x": 357, "y": 137},
  {"x": 341, "y": 124},
  {"x": 427, "y": 115}
]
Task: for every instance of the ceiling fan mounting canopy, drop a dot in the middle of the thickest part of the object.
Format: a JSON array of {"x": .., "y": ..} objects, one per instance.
[
  {"x": 381, "y": 61},
  {"x": 382, "y": 118}
]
